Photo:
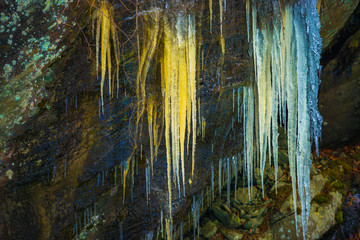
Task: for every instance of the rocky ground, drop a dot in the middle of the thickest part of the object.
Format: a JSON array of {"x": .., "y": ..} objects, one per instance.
[{"x": 334, "y": 187}]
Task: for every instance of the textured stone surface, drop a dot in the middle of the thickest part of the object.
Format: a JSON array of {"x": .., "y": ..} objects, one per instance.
[
  {"x": 253, "y": 223},
  {"x": 58, "y": 144},
  {"x": 231, "y": 234},
  {"x": 228, "y": 219},
  {"x": 209, "y": 229},
  {"x": 339, "y": 98},
  {"x": 322, "y": 218},
  {"x": 333, "y": 15}
]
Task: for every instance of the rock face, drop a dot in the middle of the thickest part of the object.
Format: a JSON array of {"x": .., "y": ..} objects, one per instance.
[
  {"x": 339, "y": 94},
  {"x": 334, "y": 14},
  {"x": 339, "y": 100},
  {"x": 61, "y": 158},
  {"x": 231, "y": 234},
  {"x": 209, "y": 229},
  {"x": 229, "y": 219},
  {"x": 322, "y": 218}
]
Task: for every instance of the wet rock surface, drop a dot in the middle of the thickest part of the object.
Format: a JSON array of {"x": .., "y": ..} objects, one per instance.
[
  {"x": 339, "y": 98},
  {"x": 60, "y": 163}
]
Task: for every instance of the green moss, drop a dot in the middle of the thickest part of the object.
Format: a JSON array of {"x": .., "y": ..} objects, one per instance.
[
  {"x": 321, "y": 199},
  {"x": 337, "y": 185},
  {"x": 339, "y": 216}
]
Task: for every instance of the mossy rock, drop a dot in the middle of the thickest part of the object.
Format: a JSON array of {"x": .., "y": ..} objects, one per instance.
[
  {"x": 338, "y": 185},
  {"x": 339, "y": 216},
  {"x": 321, "y": 199}
]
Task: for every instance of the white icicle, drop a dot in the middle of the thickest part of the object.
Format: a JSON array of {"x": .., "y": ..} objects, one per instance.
[
  {"x": 286, "y": 69},
  {"x": 234, "y": 162},
  {"x": 228, "y": 181},
  {"x": 149, "y": 236},
  {"x": 212, "y": 183},
  {"x": 276, "y": 93},
  {"x": 220, "y": 166},
  {"x": 121, "y": 231},
  {"x": 148, "y": 178},
  {"x": 248, "y": 19},
  {"x": 248, "y": 122}
]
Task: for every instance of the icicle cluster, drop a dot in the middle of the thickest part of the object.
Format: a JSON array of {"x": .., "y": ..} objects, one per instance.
[
  {"x": 178, "y": 70},
  {"x": 286, "y": 55},
  {"x": 105, "y": 31},
  {"x": 195, "y": 211},
  {"x": 172, "y": 37}
]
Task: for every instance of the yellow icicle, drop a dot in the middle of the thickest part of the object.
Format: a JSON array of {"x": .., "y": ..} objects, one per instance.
[
  {"x": 211, "y": 14},
  {"x": 105, "y": 27},
  {"x": 166, "y": 62}
]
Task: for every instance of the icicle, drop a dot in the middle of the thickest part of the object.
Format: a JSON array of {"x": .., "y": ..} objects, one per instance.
[
  {"x": 99, "y": 108},
  {"x": 228, "y": 181},
  {"x": 208, "y": 195},
  {"x": 195, "y": 210},
  {"x": 149, "y": 236},
  {"x": 254, "y": 29},
  {"x": 162, "y": 223},
  {"x": 121, "y": 173},
  {"x": 121, "y": 231},
  {"x": 263, "y": 83},
  {"x": 85, "y": 222},
  {"x": 76, "y": 230},
  {"x": 95, "y": 209},
  {"x": 211, "y": 14},
  {"x": 181, "y": 229},
  {"x": 212, "y": 183},
  {"x": 202, "y": 200},
  {"x": 234, "y": 162},
  {"x": 291, "y": 98},
  {"x": 222, "y": 39},
  {"x": 238, "y": 103},
  {"x": 148, "y": 178},
  {"x": 312, "y": 18},
  {"x": 179, "y": 84},
  {"x": 315, "y": 47},
  {"x": 276, "y": 94},
  {"x": 65, "y": 169},
  {"x": 220, "y": 166},
  {"x": 115, "y": 175},
  {"x": 248, "y": 19},
  {"x": 286, "y": 69},
  {"x": 303, "y": 121},
  {"x": 168, "y": 226},
  {"x": 248, "y": 122},
  {"x": 152, "y": 126},
  {"x": 233, "y": 99},
  {"x": 105, "y": 28}
]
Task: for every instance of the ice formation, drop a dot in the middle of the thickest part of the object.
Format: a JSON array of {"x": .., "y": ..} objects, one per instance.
[
  {"x": 105, "y": 32},
  {"x": 172, "y": 37},
  {"x": 286, "y": 56},
  {"x": 148, "y": 180},
  {"x": 286, "y": 53},
  {"x": 178, "y": 70}
]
